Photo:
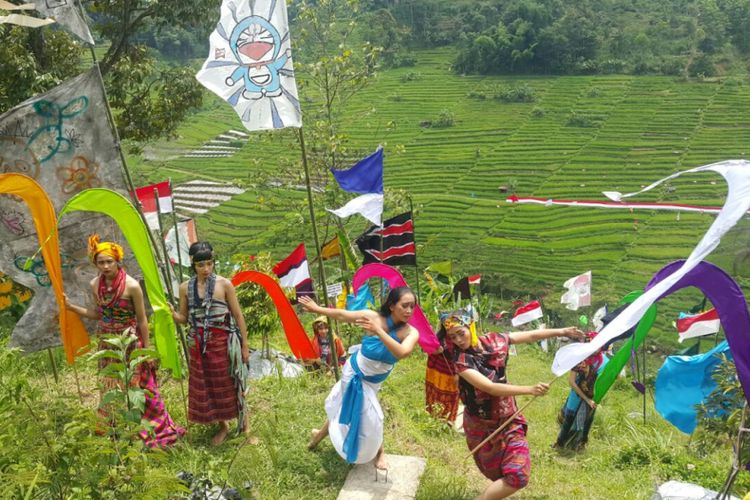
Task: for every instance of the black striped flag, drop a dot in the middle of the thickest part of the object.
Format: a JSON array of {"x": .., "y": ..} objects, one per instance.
[{"x": 398, "y": 247}]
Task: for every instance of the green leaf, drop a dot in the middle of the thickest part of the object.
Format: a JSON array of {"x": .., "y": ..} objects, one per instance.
[{"x": 137, "y": 399}]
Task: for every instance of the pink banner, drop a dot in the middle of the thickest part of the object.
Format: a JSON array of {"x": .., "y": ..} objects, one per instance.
[{"x": 428, "y": 341}]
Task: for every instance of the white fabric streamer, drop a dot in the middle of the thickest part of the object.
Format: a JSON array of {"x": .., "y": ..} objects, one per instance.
[{"x": 737, "y": 175}]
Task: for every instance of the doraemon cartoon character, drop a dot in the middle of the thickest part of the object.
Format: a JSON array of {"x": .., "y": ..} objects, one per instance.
[{"x": 256, "y": 45}]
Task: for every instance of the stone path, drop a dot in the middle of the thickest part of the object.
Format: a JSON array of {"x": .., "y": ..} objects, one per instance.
[{"x": 402, "y": 482}]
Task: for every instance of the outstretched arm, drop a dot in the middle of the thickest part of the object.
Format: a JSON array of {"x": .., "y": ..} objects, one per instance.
[
  {"x": 537, "y": 335},
  {"x": 336, "y": 314},
  {"x": 486, "y": 385}
]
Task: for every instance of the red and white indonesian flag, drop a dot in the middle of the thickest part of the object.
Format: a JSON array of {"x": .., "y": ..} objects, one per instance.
[
  {"x": 475, "y": 280},
  {"x": 526, "y": 313},
  {"x": 697, "y": 325},
  {"x": 293, "y": 272},
  {"x": 147, "y": 200},
  {"x": 579, "y": 292}
]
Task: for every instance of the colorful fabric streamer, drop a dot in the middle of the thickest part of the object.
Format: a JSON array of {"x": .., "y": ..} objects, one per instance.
[
  {"x": 684, "y": 382},
  {"x": 609, "y": 373},
  {"x": 295, "y": 333},
  {"x": 428, "y": 341},
  {"x": 727, "y": 297},
  {"x": 737, "y": 175},
  {"x": 126, "y": 216},
  {"x": 72, "y": 331}
]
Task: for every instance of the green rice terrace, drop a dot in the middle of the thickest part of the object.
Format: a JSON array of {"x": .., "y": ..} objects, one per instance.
[{"x": 580, "y": 136}]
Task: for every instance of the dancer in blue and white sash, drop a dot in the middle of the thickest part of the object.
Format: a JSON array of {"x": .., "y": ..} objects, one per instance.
[{"x": 355, "y": 419}]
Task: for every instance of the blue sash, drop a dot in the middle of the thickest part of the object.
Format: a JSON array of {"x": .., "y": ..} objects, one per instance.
[{"x": 351, "y": 407}]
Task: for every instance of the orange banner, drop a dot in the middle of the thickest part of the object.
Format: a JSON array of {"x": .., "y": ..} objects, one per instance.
[
  {"x": 295, "y": 333},
  {"x": 74, "y": 335}
]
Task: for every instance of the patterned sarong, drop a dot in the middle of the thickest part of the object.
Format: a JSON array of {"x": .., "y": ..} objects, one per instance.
[
  {"x": 213, "y": 395},
  {"x": 505, "y": 456},
  {"x": 440, "y": 388}
]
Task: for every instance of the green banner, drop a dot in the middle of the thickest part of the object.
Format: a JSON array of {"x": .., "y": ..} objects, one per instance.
[
  {"x": 615, "y": 365},
  {"x": 126, "y": 216}
]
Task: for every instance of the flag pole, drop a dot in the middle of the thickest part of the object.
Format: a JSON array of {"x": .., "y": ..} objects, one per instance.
[
  {"x": 414, "y": 237},
  {"x": 176, "y": 234},
  {"x": 167, "y": 263},
  {"x": 321, "y": 270},
  {"x": 126, "y": 171}
]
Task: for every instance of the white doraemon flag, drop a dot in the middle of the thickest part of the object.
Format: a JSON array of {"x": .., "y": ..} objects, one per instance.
[{"x": 249, "y": 64}]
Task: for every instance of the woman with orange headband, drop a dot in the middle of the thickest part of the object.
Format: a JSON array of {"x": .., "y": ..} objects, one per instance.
[
  {"x": 120, "y": 308},
  {"x": 489, "y": 400}
]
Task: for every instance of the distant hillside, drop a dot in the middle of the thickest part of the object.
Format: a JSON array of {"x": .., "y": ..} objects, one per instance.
[{"x": 579, "y": 136}]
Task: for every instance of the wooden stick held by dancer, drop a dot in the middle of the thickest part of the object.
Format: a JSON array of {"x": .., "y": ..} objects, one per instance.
[{"x": 508, "y": 421}]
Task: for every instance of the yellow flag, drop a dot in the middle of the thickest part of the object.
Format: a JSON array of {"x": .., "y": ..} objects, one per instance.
[{"x": 330, "y": 249}]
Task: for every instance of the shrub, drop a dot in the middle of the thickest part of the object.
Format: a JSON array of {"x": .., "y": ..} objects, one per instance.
[
  {"x": 518, "y": 93},
  {"x": 411, "y": 76},
  {"x": 537, "y": 112},
  {"x": 583, "y": 120},
  {"x": 445, "y": 119},
  {"x": 476, "y": 94}
]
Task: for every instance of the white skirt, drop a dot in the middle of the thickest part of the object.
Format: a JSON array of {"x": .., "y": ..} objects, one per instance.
[{"x": 371, "y": 420}]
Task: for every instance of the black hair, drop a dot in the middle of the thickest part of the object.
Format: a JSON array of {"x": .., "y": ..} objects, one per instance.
[
  {"x": 393, "y": 297},
  {"x": 200, "y": 251}
]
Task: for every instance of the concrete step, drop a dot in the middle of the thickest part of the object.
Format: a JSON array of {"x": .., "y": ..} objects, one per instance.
[{"x": 364, "y": 482}]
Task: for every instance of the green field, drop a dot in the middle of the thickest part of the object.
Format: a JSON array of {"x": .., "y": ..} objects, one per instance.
[
  {"x": 626, "y": 132},
  {"x": 626, "y": 458}
]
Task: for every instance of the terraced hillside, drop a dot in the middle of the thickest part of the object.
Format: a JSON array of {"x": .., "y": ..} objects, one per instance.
[{"x": 583, "y": 135}]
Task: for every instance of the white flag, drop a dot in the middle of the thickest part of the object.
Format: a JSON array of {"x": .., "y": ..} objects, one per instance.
[
  {"x": 737, "y": 175},
  {"x": 187, "y": 236},
  {"x": 249, "y": 64},
  {"x": 579, "y": 292},
  {"x": 369, "y": 206},
  {"x": 68, "y": 15}
]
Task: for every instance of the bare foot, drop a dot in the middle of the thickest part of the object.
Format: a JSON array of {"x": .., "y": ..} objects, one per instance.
[
  {"x": 316, "y": 436},
  {"x": 380, "y": 461},
  {"x": 220, "y": 436}
]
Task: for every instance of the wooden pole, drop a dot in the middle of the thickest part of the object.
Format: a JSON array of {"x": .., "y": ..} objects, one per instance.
[
  {"x": 54, "y": 365},
  {"x": 176, "y": 236},
  {"x": 126, "y": 172},
  {"x": 507, "y": 422},
  {"x": 167, "y": 265},
  {"x": 643, "y": 378},
  {"x": 321, "y": 270}
]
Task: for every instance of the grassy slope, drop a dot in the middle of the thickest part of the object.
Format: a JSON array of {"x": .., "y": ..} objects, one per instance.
[
  {"x": 643, "y": 128},
  {"x": 625, "y": 459}
]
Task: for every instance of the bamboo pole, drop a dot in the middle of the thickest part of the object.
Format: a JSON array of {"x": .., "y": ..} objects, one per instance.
[
  {"x": 321, "y": 270},
  {"x": 54, "y": 365},
  {"x": 507, "y": 422},
  {"x": 414, "y": 233},
  {"x": 125, "y": 171}
]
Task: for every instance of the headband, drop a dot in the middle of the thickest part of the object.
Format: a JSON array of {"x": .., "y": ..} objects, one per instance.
[{"x": 460, "y": 319}]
